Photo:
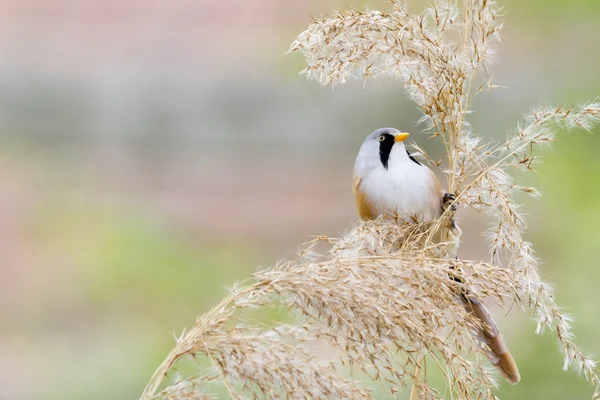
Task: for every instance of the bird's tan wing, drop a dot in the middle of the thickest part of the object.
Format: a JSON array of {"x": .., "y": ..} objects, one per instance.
[
  {"x": 363, "y": 206},
  {"x": 437, "y": 193}
]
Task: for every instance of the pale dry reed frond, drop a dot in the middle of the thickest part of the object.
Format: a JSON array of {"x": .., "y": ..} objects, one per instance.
[
  {"x": 188, "y": 388},
  {"x": 385, "y": 295}
]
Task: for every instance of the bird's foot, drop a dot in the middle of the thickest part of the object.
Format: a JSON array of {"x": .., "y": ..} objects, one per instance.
[{"x": 448, "y": 200}]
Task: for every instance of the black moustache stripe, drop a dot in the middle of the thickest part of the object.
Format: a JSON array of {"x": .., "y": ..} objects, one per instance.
[{"x": 385, "y": 147}]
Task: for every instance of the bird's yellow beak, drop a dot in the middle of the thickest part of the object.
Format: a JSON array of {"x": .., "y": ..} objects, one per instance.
[{"x": 401, "y": 137}]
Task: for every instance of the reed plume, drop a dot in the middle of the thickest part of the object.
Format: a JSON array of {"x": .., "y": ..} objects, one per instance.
[{"x": 381, "y": 295}]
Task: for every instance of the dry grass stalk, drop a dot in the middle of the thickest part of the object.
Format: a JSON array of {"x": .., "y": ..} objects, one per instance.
[{"x": 384, "y": 289}]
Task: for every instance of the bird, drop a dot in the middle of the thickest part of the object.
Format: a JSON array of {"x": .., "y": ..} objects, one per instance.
[{"x": 389, "y": 182}]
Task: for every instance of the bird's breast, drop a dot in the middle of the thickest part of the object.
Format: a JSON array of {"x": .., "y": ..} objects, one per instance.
[{"x": 409, "y": 192}]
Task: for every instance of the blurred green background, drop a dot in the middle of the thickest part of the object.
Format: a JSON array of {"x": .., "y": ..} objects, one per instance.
[{"x": 152, "y": 153}]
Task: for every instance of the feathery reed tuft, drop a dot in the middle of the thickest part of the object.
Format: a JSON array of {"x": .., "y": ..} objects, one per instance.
[{"x": 383, "y": 296}]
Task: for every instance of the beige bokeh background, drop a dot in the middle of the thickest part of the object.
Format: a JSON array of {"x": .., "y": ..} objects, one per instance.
[{"x": 154, "y": 152}]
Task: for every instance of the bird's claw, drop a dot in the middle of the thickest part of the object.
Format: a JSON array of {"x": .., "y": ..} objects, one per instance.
[{"x": 448, "y": 200}]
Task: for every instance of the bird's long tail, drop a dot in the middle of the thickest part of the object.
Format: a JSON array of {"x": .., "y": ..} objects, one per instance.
[
  {"x": 496, "y": 351},
  {"x": 489, "y": 335}
]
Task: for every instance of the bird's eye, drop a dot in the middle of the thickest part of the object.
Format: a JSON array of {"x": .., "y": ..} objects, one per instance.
[{"x": 381, "y": 138}]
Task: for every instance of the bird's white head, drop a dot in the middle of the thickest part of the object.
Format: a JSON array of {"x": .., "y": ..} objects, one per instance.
[{"x": 383, "y": 148}]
